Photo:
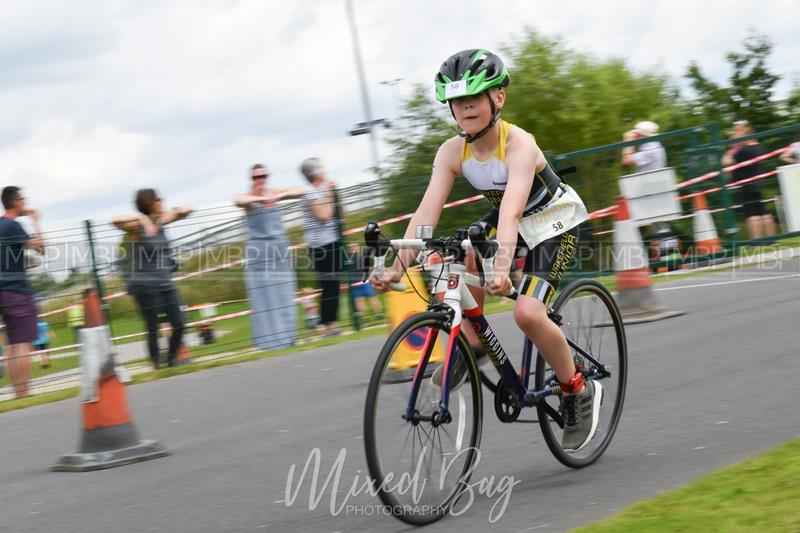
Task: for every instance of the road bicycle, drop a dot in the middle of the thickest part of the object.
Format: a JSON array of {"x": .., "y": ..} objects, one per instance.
[{"x": 422, "y": 440}]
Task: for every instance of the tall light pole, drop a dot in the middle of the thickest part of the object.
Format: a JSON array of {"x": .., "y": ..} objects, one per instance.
[{"x": 369, "y": 124}]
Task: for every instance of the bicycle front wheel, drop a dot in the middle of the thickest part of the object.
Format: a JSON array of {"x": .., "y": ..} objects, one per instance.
[
  {"x": 435, "y": 459},
  {"x": 591, "y": 319}
]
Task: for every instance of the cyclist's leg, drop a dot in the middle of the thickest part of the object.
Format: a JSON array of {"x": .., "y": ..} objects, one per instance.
[
  {"x": 544, "y": 268},
  {"x": 580, "y": 398}
]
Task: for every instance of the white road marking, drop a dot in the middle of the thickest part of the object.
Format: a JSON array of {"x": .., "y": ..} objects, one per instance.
[{"x": 714, "y": 284}]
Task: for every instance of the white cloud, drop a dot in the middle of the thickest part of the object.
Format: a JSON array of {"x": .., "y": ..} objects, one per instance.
[{"x": 60, "y": 164}]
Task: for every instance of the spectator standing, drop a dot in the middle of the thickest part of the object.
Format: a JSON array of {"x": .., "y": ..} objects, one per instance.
[
  {"x": 151, "y": 266},
  {"x": 759, "y": 223},
  {"x": 17, "y": 304},
  {"x": 646, "y": 156},
  {"x": 321, "y": 214},
  {"x": 270, "y": 277}
]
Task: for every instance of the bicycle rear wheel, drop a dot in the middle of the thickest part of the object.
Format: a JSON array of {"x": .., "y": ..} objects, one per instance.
[
  {"x": 591, "y": 319},
  {"x": 440, "y": 458}
]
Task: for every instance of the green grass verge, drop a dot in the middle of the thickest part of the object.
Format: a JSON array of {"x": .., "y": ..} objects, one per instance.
[
  {"x": 758, "y": 495},
  {"x": 38, "y": 399},
  {"x": 56, "y": 365}
]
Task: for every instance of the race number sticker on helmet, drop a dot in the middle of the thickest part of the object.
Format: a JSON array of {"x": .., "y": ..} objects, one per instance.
[
  {"x": 469, "y": 73},
  {"x": 455, "y": 89}
]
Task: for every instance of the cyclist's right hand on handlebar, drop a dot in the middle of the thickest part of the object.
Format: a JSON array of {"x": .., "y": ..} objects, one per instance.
[{"x": 384, "y": 283}]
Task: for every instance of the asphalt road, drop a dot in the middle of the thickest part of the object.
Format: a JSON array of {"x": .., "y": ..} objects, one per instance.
[{"x": 705, "y": 390}]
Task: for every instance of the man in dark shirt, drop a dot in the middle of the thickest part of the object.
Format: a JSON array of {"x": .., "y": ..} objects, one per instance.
[
  {"x": 759, "y": 223},
  {"x": 17, "y": 305}
]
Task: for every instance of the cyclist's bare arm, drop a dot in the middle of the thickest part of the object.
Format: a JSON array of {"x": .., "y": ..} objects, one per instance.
[{"x": 445, "y": 166}]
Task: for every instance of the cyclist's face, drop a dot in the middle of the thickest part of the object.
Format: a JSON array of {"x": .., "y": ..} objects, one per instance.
[{"x": 474, "y": 112}]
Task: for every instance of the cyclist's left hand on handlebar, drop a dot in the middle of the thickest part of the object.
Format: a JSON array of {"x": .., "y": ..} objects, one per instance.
[
  {"x": 500, "y": 285},
  {"x": 384, "y": 283}
]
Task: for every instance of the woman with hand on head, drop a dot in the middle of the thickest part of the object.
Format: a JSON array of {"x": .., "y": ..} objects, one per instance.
[{"x": 150, "y": 269}]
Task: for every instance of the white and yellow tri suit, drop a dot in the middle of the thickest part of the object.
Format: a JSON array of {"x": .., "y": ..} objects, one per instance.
[{"x": 549, "y": 225}]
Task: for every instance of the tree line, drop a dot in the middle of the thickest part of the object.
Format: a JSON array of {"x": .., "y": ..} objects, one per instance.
[{"x": 572, "y": 101}]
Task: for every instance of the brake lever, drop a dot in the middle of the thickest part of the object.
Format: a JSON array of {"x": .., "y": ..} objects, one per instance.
[{"x": 481, "y": 275}]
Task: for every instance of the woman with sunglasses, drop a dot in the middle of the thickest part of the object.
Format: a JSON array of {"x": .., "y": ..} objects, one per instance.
[{"x": 270, "y": 276}]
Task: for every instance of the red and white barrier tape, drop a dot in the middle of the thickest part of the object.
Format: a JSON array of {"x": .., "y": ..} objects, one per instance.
[
  {"x": 594, "y": 215},
  {"x": 730, "y": 168}
]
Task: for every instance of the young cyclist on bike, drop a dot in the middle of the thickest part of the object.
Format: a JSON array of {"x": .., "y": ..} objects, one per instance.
[{"x": 532, "y": 207}]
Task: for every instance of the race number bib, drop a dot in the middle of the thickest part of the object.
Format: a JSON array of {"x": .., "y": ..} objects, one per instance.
[
  {"x": 553, "y": 219},
  {"x": 454, "y": 89}
]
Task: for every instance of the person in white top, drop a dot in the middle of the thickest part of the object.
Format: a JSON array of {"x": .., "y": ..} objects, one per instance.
[{"x": 650, "y": 155}]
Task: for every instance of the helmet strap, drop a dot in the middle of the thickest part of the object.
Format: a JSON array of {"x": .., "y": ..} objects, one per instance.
[{"x": 469, "y": 138}]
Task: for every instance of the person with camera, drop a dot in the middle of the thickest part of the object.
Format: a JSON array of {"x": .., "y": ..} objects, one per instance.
[{"x": 150, "y": 265}]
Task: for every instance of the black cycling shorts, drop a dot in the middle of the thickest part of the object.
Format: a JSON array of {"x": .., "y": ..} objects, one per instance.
[{"x": 543, "y": 267}]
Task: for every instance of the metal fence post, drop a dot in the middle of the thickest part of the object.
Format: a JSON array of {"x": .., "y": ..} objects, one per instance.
[
  {"x": 96, "y": 274},
  {"x": 731, "y": 229}
]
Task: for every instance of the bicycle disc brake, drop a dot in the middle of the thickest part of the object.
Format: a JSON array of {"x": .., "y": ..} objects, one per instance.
[{"x": 505, "y": 403}]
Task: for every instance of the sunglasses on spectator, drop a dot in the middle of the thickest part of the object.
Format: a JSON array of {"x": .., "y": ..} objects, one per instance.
[{"x": 259, "y": 176}]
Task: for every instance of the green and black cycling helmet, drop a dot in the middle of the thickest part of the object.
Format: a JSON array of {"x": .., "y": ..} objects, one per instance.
[{"x": 468, "y": 73}]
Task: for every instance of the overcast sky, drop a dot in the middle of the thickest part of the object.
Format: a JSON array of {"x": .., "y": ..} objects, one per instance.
[{"x": 100, "y": 98}]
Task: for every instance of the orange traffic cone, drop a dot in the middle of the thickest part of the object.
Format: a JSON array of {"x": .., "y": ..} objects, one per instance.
[
  {"x": 706, "y": 241},
  {"x": 635, "y": 295},
  {"x": 108, "y": 436}
]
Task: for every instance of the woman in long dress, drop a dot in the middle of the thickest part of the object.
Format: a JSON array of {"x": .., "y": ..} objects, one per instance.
[{"x": 269, "y": 274}]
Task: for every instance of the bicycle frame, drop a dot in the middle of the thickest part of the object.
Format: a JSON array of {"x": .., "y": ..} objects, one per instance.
[
  {"x": 456, "y": 293},
  {"x": 459, "y": 301}
]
